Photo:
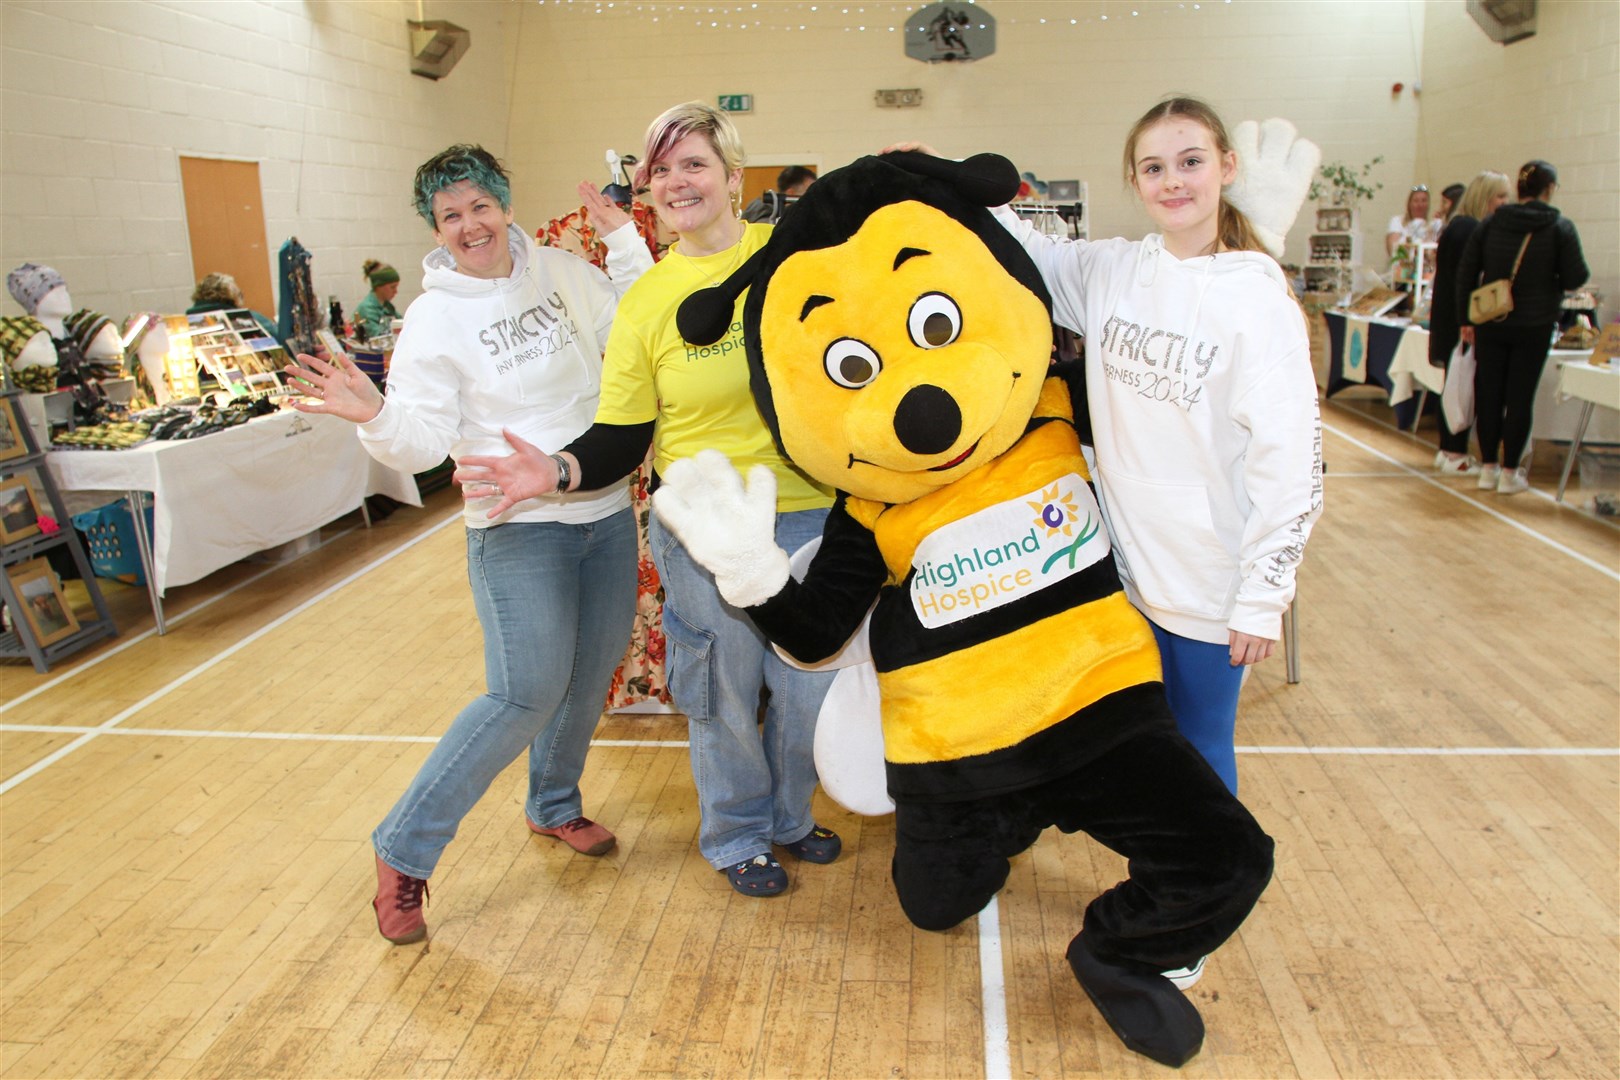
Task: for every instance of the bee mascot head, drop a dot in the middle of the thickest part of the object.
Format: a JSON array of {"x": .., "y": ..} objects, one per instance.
[{"x": 898, "y": 337}]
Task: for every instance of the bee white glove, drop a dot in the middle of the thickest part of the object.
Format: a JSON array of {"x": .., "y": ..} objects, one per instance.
[
  {"x": 729, "y": 529},
  {"x": 1275, "y": 167}
]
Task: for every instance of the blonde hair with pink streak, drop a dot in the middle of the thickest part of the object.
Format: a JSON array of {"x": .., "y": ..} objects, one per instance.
[{"x": 676, "y": 123}]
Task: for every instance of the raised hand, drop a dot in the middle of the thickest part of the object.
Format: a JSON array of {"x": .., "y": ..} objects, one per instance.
[
  {"x": 334, "y": 387},
  {"x": 603, "y": 213},
  {"x": 1275, "y": 167},
  {"x": 728, "y": 528}
]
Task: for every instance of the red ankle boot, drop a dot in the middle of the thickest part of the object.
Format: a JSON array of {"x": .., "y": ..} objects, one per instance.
[{"x": 398, "y": 904}]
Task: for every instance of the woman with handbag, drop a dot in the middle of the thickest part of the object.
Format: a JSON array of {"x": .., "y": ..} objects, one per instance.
[
  {"x": 1537, "y": 253},
  {"x": 1484, "y": 194}
]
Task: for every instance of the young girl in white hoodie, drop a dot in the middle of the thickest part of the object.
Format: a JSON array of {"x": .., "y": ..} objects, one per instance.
[
  {"x": 507, "y": 336},
  {"x": 1204, "y": 414}
]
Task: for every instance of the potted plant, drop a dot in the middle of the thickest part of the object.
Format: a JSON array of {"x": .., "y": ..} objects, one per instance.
[{"x": 1345, "y": 184}]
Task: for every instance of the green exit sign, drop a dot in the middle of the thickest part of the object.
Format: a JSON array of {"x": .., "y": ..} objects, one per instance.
[{"x": 736, "y": 102}]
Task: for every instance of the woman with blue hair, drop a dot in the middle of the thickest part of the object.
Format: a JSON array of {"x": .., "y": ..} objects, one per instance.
[{"x": 506, "y": 338}]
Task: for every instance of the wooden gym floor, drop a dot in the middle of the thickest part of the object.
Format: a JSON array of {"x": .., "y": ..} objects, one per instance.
[{"x": 186, "y": 869}]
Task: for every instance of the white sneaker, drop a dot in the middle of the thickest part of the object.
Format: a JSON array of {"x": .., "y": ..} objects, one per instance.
[
  {"x": 1511, "y": 483},
  {"x": 1184, "y": 978},
  {"x": 1489, "y": 475},
  {"x": 1447, "y": 464}
]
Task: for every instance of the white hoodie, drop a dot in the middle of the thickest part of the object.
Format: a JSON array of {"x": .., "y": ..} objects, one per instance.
[
  {"x": 1205, "y": 423},
  {"x": 521, "y": 352}
]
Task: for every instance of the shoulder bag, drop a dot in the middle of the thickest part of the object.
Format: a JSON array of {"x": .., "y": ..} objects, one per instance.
[{"x": 1493, "y": 301}]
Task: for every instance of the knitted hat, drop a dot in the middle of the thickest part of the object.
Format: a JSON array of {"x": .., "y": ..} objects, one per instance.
[
  {"x": 380, "y": 273},
  {"x": 29, "y": 284},
  {"x": 16, "y": 331},
  {"x": 83, "y": 325}
]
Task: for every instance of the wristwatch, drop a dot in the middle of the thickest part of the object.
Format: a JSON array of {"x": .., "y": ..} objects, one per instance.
[{"x": 564, "y": 473}]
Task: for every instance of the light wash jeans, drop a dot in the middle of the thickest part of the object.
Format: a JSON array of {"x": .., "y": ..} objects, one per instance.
[
  {"x": 753, "y": 787},
  {"x": 555, "y": 602}
]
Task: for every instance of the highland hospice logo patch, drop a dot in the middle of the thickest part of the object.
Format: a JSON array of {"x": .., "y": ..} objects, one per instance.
[{"x": 1007, "y": 551}]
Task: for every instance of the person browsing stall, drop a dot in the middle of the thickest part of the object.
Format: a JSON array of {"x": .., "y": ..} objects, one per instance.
[
  {"x": 1531, "y": 243},
  {"x": 1483, "y": 196},
  {"x": 506, "y": 338}
]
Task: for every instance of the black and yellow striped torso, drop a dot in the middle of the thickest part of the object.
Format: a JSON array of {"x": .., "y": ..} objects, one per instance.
[{"x": 1006, "y": 651}]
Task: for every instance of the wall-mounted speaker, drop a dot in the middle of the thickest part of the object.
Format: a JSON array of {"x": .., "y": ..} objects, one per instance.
[
  {"x": 436, "y": 45},
  {"x": 1505, "y": 21}
]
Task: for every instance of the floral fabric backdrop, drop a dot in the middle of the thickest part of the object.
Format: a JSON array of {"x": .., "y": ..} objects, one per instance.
[{"x": 640, "y": 676}]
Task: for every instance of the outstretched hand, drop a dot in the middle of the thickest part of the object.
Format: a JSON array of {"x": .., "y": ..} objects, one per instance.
[
  {"x": 604, "y": 214},
  {"x": 526, "y": 473},
  {"x": 335, "y": 387}
]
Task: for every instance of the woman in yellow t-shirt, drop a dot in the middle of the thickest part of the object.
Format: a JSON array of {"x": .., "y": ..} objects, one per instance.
[{"x": 754, "y": 783}]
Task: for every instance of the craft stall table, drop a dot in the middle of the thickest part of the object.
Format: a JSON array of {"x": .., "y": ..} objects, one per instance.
[
  {"x": 1592, "y": 386},
  {"x": 223, "y": 497},
  {"x": 1394, "y": 355},
  {"x": 1388, "y": 353}
]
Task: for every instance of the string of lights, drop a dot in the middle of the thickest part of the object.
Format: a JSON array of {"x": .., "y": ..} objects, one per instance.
[{"x": 796, "y": 15}]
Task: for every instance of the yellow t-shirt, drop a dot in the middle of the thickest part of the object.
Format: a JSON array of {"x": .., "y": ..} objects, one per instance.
[{"x": 698, "y": 395}]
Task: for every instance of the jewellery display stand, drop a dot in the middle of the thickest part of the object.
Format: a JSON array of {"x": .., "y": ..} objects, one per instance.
[
  {"x": 24, "y": 637},
  {"x": 1335, "y": 251}
]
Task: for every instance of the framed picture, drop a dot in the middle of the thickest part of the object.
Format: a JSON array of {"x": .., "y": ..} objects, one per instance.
[
  {"x": 43, "y": 605},
  {"x": 11, "y": 440},
  {"x": 19, "y": 510}
]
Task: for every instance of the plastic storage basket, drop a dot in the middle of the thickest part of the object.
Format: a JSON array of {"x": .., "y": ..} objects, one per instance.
[{"x": 110, "y": 536}]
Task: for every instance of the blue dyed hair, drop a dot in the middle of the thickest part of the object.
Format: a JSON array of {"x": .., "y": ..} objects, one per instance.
[{"x": 462, "y": 162}]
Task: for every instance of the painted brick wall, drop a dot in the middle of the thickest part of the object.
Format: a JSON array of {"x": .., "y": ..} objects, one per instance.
[
  {"x": 1057, "y": 97},
  {"x": 101, "y": 98}
]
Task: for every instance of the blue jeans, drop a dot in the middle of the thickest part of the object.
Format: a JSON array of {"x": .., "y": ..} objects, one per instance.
[
  {"x": 1203, "y": 687},
  {"x": 555, "y": 602},
  {"x": 753, "y": 787}
]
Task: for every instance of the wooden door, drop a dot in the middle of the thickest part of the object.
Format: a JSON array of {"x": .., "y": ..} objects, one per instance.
[{"x": 225, "y": 219}]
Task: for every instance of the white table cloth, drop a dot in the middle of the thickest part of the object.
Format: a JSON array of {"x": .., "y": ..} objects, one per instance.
[{"x": 225, "y": 496}]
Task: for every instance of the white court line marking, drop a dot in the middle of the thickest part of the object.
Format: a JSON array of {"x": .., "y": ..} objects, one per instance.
[
  {"x": 1498, "y": 515},
  {"x": 171, "y": 621},
  {"x": 993, "y": 994},
  {"x": 683, "y": 744},
  {"x": 1438, "y": 751},
  {"x": 156, "y": 695}
]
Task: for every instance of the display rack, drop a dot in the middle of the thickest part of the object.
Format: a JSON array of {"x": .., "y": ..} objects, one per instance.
[
  {"x": 44, "y": 628},
  {"x": 222, "y": 350},
  {"x": 1335, "y": 251},
  {"x": 1063, "y": 218}
]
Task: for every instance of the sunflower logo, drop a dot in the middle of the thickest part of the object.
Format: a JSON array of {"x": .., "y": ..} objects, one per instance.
[{"x": 1055, "y": 512}]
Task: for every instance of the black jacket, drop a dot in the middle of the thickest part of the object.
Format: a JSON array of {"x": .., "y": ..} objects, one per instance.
[
  {"x": 1552, "y": 263},
  {"x": 1443, "y": 328}
]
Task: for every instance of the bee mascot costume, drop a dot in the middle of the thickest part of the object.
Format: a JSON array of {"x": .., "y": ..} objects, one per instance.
[{"x": 899, "y": 348}]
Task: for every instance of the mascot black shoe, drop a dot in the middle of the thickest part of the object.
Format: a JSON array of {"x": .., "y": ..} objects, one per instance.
[{"x": 899, "y": 347}]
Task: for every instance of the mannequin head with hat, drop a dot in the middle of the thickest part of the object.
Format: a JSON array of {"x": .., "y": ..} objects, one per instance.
[{"x": 43, "y": 294}]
